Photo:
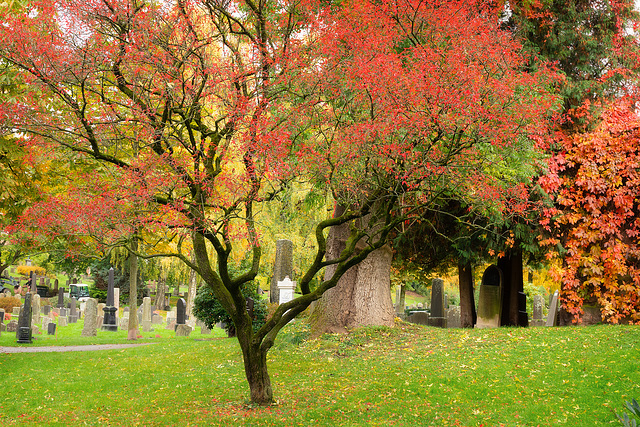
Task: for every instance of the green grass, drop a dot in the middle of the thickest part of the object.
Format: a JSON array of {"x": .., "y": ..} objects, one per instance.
[{"x": 406, "y": 376}]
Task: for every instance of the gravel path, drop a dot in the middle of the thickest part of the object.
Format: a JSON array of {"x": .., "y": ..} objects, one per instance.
[{"x": 60, "y": 349}]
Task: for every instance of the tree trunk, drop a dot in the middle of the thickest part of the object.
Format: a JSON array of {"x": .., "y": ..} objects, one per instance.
[
  {"x": 255, "y": 368},
  {"x": 191, "y": 292},
  {"x": 362, "y": 295},
  {"x": 512, "y": 285},
  {"x": 160, "y": 303},
  {"x": 132, "y": 328},
  {"x": 468, "y": 315}
]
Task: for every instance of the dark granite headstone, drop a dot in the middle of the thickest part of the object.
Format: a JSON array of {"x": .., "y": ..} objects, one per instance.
[
  {"x": 437, "y": 316},
  {"x": 51, "y": 328},
  {"x": 46, "y": 309},
  {"x": 60, "y": 298},
  {"x": 181, "y": 312},
  {"x": 23, "y": 334},
  {"x": 110, "y": 322},
  {"x": 523, "y": 316}
]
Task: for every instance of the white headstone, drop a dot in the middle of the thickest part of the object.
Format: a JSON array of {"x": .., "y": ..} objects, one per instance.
[{"x": 286, "y": 288}]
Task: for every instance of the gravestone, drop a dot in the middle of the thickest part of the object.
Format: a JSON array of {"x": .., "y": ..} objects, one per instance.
[
  {"x": 116, "y": 300},
  {"x": 23, "y": 333},
  {"x": 183, "y": 330},
  {"x": 51, "y": 328},
  {"x": 101, "y": 307},
  {"x": 282, "y": 267},
  {"x": 110, "y": 321},
  {"x": 204, "y": 330},
  {"x": 171, "y": 316},
  {"x": 34, "y": 283},
  {"x": 437, "y": 316},
  {"x": 156, "y": 319},
  {"x": 1, "y": 321},
  {"x": 489, "y": 302},
  {"x": 181, "y": 312},
  {"x": 146, "y": 314},
  {"x": 90, "y": 328},
  {"x": 419, "y": 317},
  {"x": 523, "y": 316},
  {"x": 15, "y": 311},
  {"x": 63, "y": 320},
  {"x": 12, "y": 326},
  {"x": 60, "y": 298},
  {"x": 55, "y": 286},
  {"x": 73, "y": 311},
  {"x": 552, "y": 316},
  {"x": 400, "y": 300},
  {"x": 35, "y": 308},
  {"x": 46, "y": 309},
  {"x": 453, "y": 317},
  {"x": 538, "y": 302},
  {"x": 286, "y": 287}
]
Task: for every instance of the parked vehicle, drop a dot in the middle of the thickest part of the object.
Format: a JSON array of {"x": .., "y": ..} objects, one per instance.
[{"x": 80, "y": 291}]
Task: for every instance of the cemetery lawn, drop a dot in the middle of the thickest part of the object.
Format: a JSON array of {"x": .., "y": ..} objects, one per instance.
[{"x": 408, "y": 375}]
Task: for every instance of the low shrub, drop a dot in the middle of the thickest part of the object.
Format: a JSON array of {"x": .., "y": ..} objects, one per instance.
[
  {"x": 207, "y": 308},
  {"x": 7, "y": 303},
  {"x": 25, "y": 270}
]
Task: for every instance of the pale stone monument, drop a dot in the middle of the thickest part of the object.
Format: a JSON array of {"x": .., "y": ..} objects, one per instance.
[
  {"x": 286, "y": 287},
  {"x": 90, "y": 318},
  {"x": 489, "y": 301}
]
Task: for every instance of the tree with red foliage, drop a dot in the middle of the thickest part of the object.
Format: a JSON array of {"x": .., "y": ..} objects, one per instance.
[
  {"x": 595, "y": 181},
  {"x": 191, "y": 115}
]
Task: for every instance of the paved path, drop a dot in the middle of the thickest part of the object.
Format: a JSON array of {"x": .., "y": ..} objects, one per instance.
[{"x": 60, "y": 349}]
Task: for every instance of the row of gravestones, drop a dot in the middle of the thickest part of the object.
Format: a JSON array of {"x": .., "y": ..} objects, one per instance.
[
  {"x": 30, "y": 316},
  {"x": 489, "y": 306}
]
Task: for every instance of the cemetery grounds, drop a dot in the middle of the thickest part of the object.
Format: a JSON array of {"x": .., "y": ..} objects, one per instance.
[{"x": 408, "y": 375}]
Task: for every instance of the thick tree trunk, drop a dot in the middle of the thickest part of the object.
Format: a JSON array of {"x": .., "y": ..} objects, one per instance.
[
  {"x": 468, "y": 315},
  {"x": 255, "y": 368},
  {"x": 362, "y": 295},
  {"x": 132, "y": 328},
  {"x": 512, "y": 285}
]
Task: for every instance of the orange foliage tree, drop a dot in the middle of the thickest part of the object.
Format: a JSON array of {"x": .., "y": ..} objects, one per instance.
[{"x": 595, "y": 180}]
